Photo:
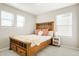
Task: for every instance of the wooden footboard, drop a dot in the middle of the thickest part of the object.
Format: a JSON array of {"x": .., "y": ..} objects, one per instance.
[
  {"x": 20, "y": 47},
  {"x": 25, "y": 49}
]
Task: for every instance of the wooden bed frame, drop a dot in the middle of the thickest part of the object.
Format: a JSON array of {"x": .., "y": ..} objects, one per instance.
[{"x": 25, "y": 49}]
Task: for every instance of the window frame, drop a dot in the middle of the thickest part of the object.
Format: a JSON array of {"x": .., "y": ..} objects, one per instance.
[
  {"x": 11, "y": 20},
  {"x": 22, "y": 19},
  {"x": 64, "y": 25}
]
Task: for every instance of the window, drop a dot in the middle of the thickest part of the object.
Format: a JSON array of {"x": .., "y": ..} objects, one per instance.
[
  {"x": 6, "y": 18},
  {"x": 20, "y": 21},
  {"x": 64, "y": 24}
]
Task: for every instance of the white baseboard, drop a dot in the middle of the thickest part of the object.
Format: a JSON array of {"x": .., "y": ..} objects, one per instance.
[
  {"x": 4, "y": 49},
  {"x": 70, "y": 47}
]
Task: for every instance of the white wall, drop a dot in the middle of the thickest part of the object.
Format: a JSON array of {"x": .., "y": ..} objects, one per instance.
[
  {"x": 77, "y": 25},
  {"x": 50, "y": 16},
  {"x": 5, "y": 32}
]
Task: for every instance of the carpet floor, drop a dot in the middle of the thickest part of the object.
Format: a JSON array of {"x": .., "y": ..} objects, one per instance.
[{"x": 48, "y": 51}]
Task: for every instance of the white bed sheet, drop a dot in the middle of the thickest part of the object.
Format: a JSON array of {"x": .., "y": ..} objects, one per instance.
[{"x": 33, "y": 39}]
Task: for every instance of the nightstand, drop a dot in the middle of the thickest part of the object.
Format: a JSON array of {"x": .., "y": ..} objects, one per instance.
[{"x": 56, "y": 41}]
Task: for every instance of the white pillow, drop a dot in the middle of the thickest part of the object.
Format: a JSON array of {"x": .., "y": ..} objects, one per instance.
[
  {"x": 50, "y": 33},
  {"x": 40, "y": 33}
]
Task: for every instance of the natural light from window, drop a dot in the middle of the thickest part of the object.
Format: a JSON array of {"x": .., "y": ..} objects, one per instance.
[
  {"x": 20, "y": 21},
  {"x": 64, "y": 24},
  {"x": 6, "y": 18}
]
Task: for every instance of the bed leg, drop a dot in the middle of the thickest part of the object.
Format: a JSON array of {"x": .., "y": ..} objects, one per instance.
[
  {"x": 10, "y": 47},
  {"x": 10, "y": 44}
]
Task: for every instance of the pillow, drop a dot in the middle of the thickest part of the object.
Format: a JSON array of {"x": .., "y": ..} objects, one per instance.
[
  {"x": 40, "y": 33},
  {"x": 45, "y": 32},
  {"x": 36, "y": 31},
  {"x": 51, "y": 33}
]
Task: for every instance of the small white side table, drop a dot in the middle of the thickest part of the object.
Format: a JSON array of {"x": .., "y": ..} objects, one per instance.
[{"x": 56, "y": 41}]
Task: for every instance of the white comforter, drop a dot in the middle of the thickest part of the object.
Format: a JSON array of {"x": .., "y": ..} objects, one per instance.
[{"x": 33, "y": 39}]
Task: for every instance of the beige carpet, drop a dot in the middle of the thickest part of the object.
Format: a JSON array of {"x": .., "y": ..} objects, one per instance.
[{"x": 48, "y": 51}]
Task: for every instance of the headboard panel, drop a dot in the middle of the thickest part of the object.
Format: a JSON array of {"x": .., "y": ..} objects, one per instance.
[{"x": 49, "y": 25}]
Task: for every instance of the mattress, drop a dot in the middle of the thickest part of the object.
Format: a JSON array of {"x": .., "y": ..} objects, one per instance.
[{"x": 33, "y": 39}]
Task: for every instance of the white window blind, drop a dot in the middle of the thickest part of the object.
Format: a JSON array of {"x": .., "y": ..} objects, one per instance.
[
  {"x": 20, "y": 21},
  {"x": 6, "y": 18},
  {"x": 64, "y": 24}
]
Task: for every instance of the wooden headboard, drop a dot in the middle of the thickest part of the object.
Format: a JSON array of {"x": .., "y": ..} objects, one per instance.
[{"x": 49, "y": 25}]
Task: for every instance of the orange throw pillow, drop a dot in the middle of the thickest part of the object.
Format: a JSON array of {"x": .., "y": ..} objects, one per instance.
[{"x": 45, "y": 32}]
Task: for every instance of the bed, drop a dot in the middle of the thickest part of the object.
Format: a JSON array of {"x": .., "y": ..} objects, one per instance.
[{"x": 29, "y": 45}]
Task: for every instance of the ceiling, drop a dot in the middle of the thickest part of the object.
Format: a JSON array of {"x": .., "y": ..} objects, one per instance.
[{"x": 39, "y": 8}]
